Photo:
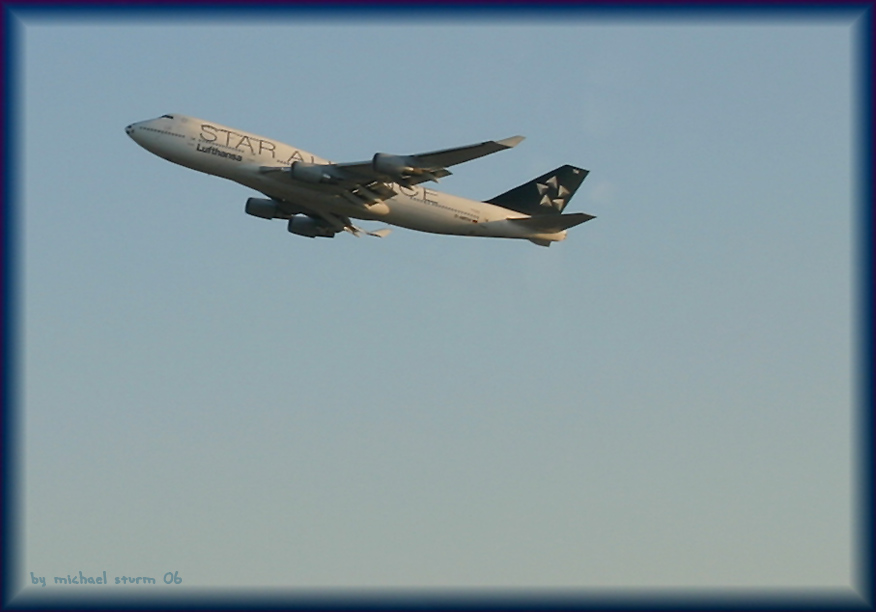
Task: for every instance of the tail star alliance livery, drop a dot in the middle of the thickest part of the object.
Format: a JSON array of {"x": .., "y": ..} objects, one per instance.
[{"x": 319, "y": 197}]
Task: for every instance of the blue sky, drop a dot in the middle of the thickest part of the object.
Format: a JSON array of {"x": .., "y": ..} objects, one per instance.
[{"x": 662, "y": 400}]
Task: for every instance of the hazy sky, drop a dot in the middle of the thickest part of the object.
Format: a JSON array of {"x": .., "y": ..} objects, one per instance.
[{"x": 664, "y": 399}]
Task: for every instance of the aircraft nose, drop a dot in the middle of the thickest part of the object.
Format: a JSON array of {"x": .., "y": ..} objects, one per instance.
[{"x": 129, "y": 130}]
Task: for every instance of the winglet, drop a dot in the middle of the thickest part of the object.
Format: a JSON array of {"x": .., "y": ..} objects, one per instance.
[{"x": 511, "y": 142}]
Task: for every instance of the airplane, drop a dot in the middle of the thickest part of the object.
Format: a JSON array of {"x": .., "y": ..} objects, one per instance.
[{"x": 318, "y": 198}]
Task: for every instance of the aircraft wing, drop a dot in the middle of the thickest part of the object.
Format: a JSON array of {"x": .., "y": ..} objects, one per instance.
[
  {"x": 369, "y": 181},
  {"x": 421, "y": 167}
]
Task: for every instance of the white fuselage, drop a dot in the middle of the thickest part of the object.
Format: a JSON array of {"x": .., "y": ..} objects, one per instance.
[{"x": 241, "y": 157}]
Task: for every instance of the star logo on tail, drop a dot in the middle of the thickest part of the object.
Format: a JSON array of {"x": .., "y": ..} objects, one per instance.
[{"x": 553, "y": 195}]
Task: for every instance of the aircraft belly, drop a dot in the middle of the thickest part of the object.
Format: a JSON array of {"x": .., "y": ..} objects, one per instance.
[
  {"x": 508, "y": 229},
  {"x": 416, "y": 218},
  {"x": 429, "y": 215}
]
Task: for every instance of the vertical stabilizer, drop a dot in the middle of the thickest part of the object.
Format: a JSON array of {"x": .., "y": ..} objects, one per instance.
[{"x": 546, "y": 195}]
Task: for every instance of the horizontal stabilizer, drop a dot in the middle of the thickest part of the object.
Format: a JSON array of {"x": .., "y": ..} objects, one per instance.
[{"x": 550, "y": 224}]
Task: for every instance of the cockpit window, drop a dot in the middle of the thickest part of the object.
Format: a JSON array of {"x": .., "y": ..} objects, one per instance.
[{"x": 167, "y": 116}]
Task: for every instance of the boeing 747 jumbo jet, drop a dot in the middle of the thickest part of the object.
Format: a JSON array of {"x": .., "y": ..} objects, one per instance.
[{"x": 318, "y": 198}]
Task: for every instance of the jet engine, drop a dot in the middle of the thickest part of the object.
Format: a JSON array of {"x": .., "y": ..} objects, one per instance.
[
  {"x": 394, "y": 166},
  {"x": 312, "y": 173},
  {"x": 263, "y": 208},
  {"x": 303, "y": 225}
]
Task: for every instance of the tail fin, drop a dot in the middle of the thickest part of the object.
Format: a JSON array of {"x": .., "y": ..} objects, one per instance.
[{"x": 546, "y": 195}]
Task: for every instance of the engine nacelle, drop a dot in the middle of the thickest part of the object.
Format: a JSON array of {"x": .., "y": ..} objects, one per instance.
[
  {"x": 312, "y": 173},
  {"x": 302, "y": 225},
  {"x": 263, "y": 208},
  {"x": 394, "y": 166}
]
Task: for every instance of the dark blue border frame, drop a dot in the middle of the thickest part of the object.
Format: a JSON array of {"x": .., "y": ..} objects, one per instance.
[
  {"x": 863, "y": 424},
  {"x": 10, "y": 446},
  {"x": 863, "y": 596}
]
